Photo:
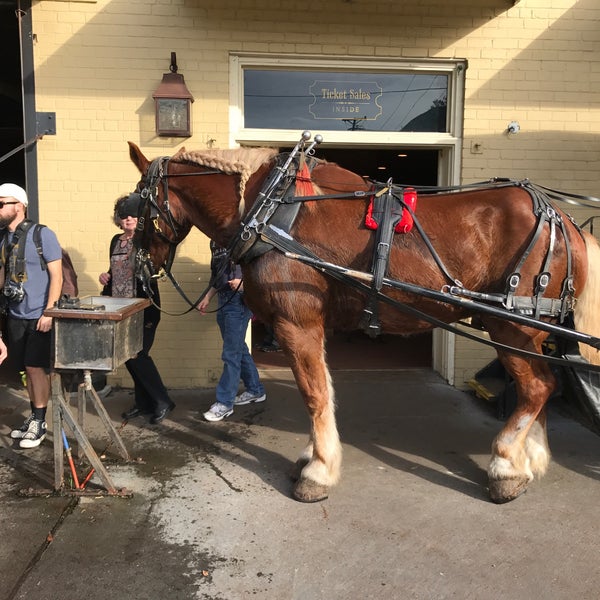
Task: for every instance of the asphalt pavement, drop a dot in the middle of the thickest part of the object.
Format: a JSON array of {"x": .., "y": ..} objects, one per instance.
[{"x": 210, "y": 514}]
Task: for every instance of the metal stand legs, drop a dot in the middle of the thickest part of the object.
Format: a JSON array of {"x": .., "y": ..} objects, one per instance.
[{"x": 62, "y": 415}]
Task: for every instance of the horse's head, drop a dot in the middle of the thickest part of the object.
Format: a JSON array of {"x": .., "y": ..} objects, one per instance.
[
  {"x": 162, "y": 223},
  {"x": 173, "y": 195}
]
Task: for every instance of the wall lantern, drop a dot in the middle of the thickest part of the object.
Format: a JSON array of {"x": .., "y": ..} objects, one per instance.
[{"x": 173, "y": 104}]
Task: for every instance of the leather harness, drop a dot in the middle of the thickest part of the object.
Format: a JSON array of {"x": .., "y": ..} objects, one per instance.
[
  {"x": 271, "y": 219},
  {"x": 272, "y": 216}
]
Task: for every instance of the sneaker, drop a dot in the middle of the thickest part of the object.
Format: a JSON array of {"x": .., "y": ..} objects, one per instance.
[
  {"x": 35, "y": 435},
  {"x": 17, "y": 434},
  {"x": 217, "y": 412},
  {"x": 248, "y": 397}
]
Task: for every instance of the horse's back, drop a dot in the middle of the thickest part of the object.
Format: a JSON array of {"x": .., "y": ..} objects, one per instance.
[{"x": 478, "y": 236}]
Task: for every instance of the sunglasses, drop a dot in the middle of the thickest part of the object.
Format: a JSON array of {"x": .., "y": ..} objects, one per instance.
[{"x": 3, "y": 203}]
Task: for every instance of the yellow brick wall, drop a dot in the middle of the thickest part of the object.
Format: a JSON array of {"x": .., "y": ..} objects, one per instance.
[{"x": 97, "y": 64}]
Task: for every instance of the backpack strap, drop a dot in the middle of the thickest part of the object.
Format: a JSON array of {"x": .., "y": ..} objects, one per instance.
[
  {"x": 19, "y": 263},
  {"x": 3, "y": 238},
  {"x": 37, "y": 240}
]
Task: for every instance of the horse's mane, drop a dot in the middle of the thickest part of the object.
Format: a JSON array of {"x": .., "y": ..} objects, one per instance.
[{"x": 242, "y": 161}]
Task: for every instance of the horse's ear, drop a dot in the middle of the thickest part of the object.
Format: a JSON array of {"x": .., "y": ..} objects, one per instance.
[{"x": 138, "y": 159}]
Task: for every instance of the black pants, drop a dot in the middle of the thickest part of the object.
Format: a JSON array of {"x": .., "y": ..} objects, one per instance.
[
  {"x": 27, "y": 346},
  {"x": 150, "y": 392}
]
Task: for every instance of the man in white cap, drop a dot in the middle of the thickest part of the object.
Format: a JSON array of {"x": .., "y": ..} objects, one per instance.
[{"x": 29, "y": 284}]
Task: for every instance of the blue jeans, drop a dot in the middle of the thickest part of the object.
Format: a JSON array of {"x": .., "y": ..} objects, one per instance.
[{"x": 233, "y": 318}]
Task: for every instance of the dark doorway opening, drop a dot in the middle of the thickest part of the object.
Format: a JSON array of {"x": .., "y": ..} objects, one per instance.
[
  {"x": 12, "y": 169},
  {"x": 356, "y": 350},
  {"x": 404, "y": 165}
]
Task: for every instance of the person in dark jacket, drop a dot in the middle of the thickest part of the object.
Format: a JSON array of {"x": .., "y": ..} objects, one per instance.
[{"x": 150, "y": 394}]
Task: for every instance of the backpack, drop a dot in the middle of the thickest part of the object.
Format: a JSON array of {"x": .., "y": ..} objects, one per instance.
[{"x": 69, "y": 284}]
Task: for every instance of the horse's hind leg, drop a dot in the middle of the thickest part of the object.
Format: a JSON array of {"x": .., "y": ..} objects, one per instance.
[
  {"x": 520, "y": 451},
  {"x": 318, "y": 467}
]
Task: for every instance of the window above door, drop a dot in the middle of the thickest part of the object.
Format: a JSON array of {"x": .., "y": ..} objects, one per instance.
[{"x": 347, "y": 100}]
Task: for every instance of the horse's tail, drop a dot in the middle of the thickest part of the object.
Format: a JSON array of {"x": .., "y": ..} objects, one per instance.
[{"x": 587, "y": 307}]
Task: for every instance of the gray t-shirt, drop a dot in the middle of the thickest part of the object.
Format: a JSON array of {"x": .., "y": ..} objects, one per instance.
[{"x": 37, "y": 284}]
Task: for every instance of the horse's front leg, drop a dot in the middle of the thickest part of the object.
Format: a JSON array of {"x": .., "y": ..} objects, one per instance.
[
  {"x": 520, "y": 451},
  {"x": 320, "y": 462}
]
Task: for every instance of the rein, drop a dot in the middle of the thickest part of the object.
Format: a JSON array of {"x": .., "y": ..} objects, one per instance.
[
  {"x": 158, "y": 174},
  {"x": 494, "y": 182}
]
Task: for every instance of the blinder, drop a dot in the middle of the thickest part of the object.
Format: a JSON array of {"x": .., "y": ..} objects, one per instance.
[{"x": 133, "y": 206}]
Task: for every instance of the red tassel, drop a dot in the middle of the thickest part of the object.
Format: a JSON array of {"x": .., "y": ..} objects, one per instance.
[{"x": 304, "y": 184}]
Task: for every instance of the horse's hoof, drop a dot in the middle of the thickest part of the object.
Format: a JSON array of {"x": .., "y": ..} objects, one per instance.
[
  {"x": 296, "y": 470},
  {"x": 505, "y": 490},
  {"x": 307, "y": 490}
]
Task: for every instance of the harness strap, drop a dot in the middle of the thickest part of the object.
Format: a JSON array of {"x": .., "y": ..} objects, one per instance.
[
  {"x": 357, "y": 194},
  {"x": 540, "y": 209},
  {"x": 383, "y": 241},
  {"x": 278, "y": 183},
  {"x": 562, "y": 362},
  {"x": 296, "y": 251},
  {"x": 543, "y": 278},
  {"x": 347, "y": 276},
  {"x": 568, "y": 291},
  {"x": 567, "y": 197},
  {"x": 284, "y": 242},
  {"x": 494, "y": 183},
  {"x": 538, "y": 305}
]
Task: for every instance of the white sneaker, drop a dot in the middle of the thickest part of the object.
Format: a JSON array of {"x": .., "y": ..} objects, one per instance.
[
  {"x": 217, "y": 412},
  {"x": 248, "y": 397},
  {"x": 17, "y": 434},
  {"x": 35, "y": 435}
]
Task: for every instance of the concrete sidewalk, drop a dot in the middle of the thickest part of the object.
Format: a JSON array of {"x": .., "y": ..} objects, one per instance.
[{"x": 211, "y": 515}]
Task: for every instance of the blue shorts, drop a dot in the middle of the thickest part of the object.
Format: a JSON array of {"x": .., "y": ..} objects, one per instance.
[{"x": 26, "y": 346}]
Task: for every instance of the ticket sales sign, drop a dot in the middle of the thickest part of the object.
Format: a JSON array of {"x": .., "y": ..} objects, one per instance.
[
  {"x": 339, "y": 100},
  {"x": 345, "y": 100}
]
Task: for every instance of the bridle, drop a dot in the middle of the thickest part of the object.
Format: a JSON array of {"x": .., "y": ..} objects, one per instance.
[
  {"x": 148, "y": 208},
  {"x": 159, "y": 215}
]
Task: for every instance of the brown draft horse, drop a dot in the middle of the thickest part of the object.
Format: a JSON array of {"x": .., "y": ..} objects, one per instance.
[{"x": 480, "y": 235}]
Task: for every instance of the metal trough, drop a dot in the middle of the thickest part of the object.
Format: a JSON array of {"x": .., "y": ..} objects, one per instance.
[{"x": 99, "y": 335}]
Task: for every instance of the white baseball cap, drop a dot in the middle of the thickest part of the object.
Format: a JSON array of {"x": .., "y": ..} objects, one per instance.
[{"x": 12, "y": 190}]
